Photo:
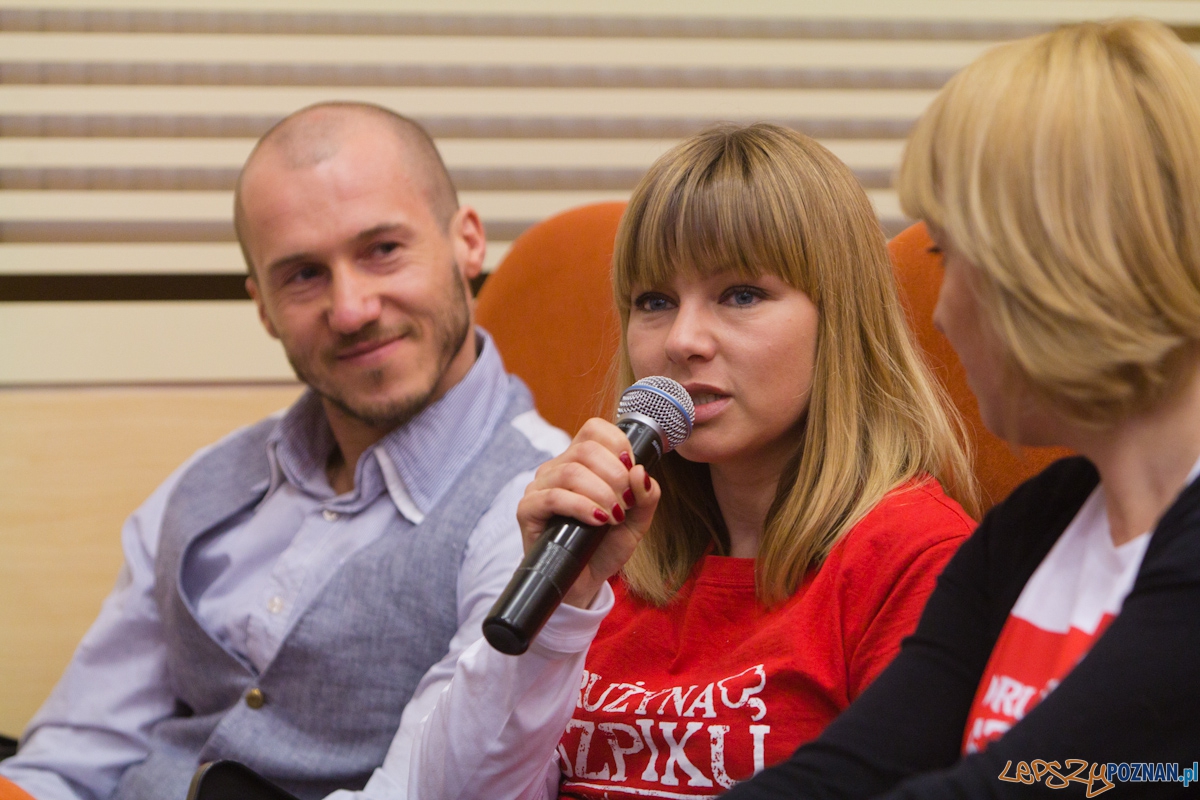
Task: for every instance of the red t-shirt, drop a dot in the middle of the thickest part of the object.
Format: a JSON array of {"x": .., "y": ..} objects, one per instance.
[
  {"x": 686, "y": 699},
  {"x": 1069, "y": 601}
]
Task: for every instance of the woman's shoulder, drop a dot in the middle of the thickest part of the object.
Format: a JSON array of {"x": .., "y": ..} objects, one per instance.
[
  {"x": 880, "y": 573},
  {"x": 915, "y": 524},
  {"x": 918, "y": 511},
  {"x": 915, "y": 527},
  {"x": 918, "y": 520}
]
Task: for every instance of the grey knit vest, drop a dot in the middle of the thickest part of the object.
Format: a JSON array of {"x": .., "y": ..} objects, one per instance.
[{"x": 343, "y": 674}]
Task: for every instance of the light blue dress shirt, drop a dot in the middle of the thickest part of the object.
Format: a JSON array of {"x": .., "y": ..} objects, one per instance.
[{"x": 250, "y": 581}]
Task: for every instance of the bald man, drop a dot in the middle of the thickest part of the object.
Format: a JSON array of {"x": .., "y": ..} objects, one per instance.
[{"x": 295, "y": 596}]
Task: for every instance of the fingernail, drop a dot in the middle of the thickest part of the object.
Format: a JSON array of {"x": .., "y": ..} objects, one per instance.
[
  {"x": 618, "y": 514},
  {"x": 628, "y": 497},
  {"x": 647, "y": 481},
  {"x": 599, "y": 515},
  {"x": 626, "y": 460}
]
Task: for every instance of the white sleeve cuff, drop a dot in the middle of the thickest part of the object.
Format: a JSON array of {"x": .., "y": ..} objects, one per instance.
[{"x": 570, "y": 630}]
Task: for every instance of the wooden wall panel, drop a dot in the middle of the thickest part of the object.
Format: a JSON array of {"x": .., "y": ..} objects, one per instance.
[
  {"x": 49, "y": 343},
  {"x": 74, "y": 463}
]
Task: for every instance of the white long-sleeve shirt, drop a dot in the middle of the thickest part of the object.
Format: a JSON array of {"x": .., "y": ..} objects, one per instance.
[{"x": 494, "y": 728}]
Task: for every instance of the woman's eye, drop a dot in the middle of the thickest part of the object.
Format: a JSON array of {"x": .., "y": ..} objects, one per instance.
[
  {"x": 743, "y": 295},
  {"x": 651, "y": 301}
]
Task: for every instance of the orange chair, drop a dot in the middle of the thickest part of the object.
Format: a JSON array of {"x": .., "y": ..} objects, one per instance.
[
  {"x": 549, "y": 307},
  {"x": 10, "y": 791},
  {"x": 998, "y": 466}
]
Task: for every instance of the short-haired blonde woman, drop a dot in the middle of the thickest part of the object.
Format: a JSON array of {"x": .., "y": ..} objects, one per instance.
[
  {"x": 1060, "y": 177},
  {"x": 772, "y": 565}
]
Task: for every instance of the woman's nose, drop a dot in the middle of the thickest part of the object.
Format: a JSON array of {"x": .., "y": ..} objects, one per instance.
[{"x": 692, "y": 335}]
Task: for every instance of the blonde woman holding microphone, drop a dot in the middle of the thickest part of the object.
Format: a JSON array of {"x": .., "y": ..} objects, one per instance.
[{"x": 760, "y": 578}]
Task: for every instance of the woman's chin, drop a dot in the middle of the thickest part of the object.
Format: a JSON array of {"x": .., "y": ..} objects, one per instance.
[{"x": 700, "y": 451}]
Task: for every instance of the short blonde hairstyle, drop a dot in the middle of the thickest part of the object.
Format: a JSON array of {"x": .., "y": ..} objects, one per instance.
[
  {"x": 1066, "y": 168},
  {"x": 765, "y": 199}
]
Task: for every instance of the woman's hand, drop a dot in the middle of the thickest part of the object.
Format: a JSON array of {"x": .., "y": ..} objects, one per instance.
[{"x": 596, "y": 482}]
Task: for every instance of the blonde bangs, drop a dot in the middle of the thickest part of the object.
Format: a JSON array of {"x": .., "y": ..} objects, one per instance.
[{"x": 720, "y": 203}]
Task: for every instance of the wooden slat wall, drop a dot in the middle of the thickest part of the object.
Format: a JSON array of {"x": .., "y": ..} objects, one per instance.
[
  {"x": 122, "y": 127},
  {"x": 123, "y": 124}
]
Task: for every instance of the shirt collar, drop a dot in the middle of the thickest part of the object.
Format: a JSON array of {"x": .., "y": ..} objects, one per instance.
[
  {"x": 299, "y": 447},
  {"x": 434, "y": 447},
  {"x": 417, "y": 462}
]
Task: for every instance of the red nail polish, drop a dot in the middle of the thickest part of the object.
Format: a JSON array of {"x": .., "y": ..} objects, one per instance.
[
  {"x": 618, "y": 514},
  {"x": 626, "y": 460},
  {"x": 600, "y": 516},
  {"x": 647, "y": 481},
  {"x": 628, "y": 497}
]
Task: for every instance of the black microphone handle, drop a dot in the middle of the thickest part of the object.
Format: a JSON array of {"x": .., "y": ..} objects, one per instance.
[{"x": 555, "y": 561}]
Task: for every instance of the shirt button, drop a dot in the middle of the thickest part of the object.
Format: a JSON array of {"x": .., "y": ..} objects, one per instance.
[
  {"x": 330, "y": 516},
  {"x": 275, "y": 605},
  {"x": 255, "y": 698}
]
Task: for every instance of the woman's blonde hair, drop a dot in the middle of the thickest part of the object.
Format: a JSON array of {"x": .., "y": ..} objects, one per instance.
[
  {"x": 764, "y": 199},
  {"x": 1066, "y": 168}
]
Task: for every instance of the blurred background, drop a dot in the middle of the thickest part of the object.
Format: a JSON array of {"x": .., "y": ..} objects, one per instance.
[{"x": 126, "y": 338}]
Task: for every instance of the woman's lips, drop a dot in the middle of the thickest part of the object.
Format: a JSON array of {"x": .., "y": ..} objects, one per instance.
[{"x": 708, "y": 403}]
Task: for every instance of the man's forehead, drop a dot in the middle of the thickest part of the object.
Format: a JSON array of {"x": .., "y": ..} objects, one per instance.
[
  {"x": 332, "y": 204},
  {"x": 302, "y": 148},
  {"x": 339, "y": 206},
  {"x": 360, "y": 168},
  {"x": 309, "y": 139},
  {"x": 317, "y": 134}
]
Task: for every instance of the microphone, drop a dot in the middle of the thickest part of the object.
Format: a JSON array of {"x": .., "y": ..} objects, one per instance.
[{"x": 656, "y": 413}]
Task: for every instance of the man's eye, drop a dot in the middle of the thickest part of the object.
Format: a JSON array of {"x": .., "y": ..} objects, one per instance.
[
  {"x": 304, "y": 274},
  {"x": 651, "y": 301},
  {"x": 383, "y": 249}
]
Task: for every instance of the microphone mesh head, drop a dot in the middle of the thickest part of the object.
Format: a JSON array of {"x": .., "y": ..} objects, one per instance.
[{"x": 664, "y": 401}]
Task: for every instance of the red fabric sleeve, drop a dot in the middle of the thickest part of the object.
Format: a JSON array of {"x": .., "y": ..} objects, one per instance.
[
  {"x": 899, "y": 614},
  {"x": 888, "y": 569}
]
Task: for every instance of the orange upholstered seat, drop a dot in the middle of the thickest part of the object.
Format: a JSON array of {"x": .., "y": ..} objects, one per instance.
[
  {"x": 998, "y": 467},
  {"x": 549, "y": 307},
  {"x": 10, "y": 791}
]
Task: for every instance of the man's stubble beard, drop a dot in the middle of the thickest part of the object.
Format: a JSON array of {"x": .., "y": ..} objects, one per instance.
[{"x": 450, "y": 332}]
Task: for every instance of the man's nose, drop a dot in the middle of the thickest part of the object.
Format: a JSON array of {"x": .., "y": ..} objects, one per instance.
[
  {"x": 353, "y": 301},
  {"x": 692, "y": 335}
]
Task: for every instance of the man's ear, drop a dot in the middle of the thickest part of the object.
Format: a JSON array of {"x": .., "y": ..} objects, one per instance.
[
  {"x": 470, "y": 242},
  {"x": 256, "y": 295}
]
